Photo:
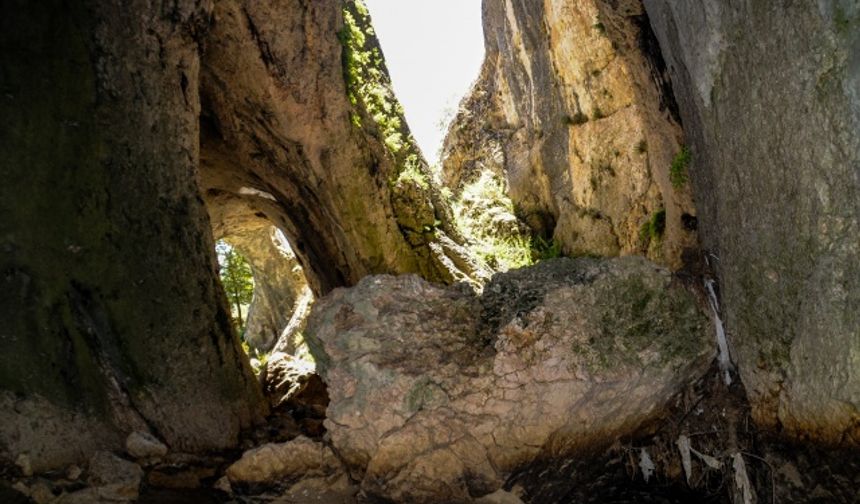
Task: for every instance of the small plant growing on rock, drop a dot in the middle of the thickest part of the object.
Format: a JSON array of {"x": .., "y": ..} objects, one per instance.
[
  {"x": 487, "y": 216},
  {"x": 598, "y": 114},
  {"x": 652, "y": 230},
  {"x": 543, "y": 248},
  {"x": 678, "y": 170},
  {"x": 642, "y": 146},
  {"x": 412, "y": 173}
]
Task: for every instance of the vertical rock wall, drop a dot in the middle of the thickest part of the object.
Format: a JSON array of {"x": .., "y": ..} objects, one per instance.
[
  {"x": 770, "y": 97},
  {"x": 574, "y": 110},
  {"x": 111, "y": 314}
]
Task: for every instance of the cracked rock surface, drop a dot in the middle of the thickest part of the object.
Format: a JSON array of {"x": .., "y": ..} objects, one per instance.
[{"x": 438, "y": 395}]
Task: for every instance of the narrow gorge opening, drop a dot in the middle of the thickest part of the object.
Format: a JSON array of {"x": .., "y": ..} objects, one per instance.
[{"x": 545, "y": 314}]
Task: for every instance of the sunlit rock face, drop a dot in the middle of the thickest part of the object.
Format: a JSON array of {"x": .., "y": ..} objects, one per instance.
[
  {"x": 770, "y": 97},
  {"x": 292, "y": 127},
  {"x": 280, "y": 288},
  {"x": 437, "y": 395},
  {"x": 573, "y": 109},
  {"x": 113, "y": 319}
]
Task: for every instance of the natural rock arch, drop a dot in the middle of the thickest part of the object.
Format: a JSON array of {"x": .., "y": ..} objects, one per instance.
[{"x": 279, "y": 131}]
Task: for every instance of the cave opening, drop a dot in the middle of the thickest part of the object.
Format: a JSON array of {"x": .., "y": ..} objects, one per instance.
[{"x": 267, "y": 293}]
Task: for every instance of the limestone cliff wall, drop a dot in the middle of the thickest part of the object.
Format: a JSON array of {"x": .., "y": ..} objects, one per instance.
[
  {"x": 112, "y": 318},
  {"x": 301, "y": 124},
  {"x": 770, "y": 97},
  {"x": 574, "y": 110}
]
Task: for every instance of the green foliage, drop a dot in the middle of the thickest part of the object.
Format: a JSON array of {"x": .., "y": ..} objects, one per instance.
[
  {"x": 653, "y": 228},
  {"x": 480, "y": 203},
  {"x": 597, "y": 113},
  {"x": 844, "y": 22},
  {"x": 367, "y": 83},
  {"x": 545, "y": 249},
  {"x": 642, "y": 146},
  {"x": 678, "y": 170},
  {"x": 259, "y": 359},
  {"x": 237, "y": 279},
  {"x": 600, "y": 28},
  {"x": 412, "y": 172}
]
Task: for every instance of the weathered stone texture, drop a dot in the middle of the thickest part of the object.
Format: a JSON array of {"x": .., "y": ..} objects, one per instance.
[
  {"x": 770, "y": 97},
  {"x": 281, "y": 135},
  {"x": 573, "y": 109},
  {"x": 437, "y": 395},
  {"x": 113, "y": 318}
]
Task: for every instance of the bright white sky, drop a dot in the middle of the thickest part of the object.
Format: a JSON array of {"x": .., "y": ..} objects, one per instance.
[{"x": 434, "y": 50}]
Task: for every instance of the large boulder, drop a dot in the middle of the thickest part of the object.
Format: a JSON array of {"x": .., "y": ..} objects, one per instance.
[
  {"x": 437, "y": 394},
  {"x": 274, "y": 463},
  {"x": 770, "y": 98}
]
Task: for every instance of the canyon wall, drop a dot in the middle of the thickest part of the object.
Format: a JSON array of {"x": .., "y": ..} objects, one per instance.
[
  {"x": 574, "y": 112},
  {"x": 769, "y": 93},
  {"x": 113, "y": 318},
  {"x": 299, "y": 122}
]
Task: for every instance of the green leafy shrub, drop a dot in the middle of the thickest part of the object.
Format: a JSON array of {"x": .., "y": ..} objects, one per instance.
[
  {"x": 545, "y": 249},
  {"x": 654, "y": 228},
  {"x": 478, "y": 211},
  {"x": 412, "y": 172},
  {"x": 678, "y": 170}
]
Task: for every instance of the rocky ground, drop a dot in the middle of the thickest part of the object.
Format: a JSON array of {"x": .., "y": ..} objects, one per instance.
[{"x": 575, "y": 380}]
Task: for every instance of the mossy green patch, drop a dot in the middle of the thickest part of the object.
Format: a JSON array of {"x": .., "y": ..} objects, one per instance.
[
  {"x": 638, "y": 317},
  {"x": 654, "y": 228},
  {"x": 367, "y": 83},
  {"x": 678, "y": 169},
  {"x": 481, "y": 205},
  {"x": 422, "y": 394}
]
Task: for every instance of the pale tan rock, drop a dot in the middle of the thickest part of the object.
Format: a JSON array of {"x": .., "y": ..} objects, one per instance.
[
  {"x": 437, "y": 394},
  {"x": 574, "y": 111},
  {"x": 223, "y": 484},
  {"x": 24, "y": 464},
  {"x": 273, "y": 462},
  {"x": 143, "y": 445},
  {"x": 336, "y": 489},
  {"x": 73, "y": 472},
  {"x": 279, "y": 279},
  {"x": 499, "y": 497},
  {"x": 41, "y": 493},
  {"x": 22, "y": 488}
]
